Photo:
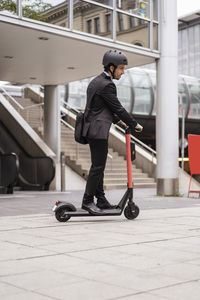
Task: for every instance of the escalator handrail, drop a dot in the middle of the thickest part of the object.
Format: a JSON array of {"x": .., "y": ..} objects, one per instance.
[
  {"x": 17, "y": 166},
  {"x": 153, "y": 152}
]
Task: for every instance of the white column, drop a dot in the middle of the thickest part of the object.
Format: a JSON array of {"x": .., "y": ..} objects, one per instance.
[
  {"x": 52, "y": 126},
  {"x": 167, "y": 101}
]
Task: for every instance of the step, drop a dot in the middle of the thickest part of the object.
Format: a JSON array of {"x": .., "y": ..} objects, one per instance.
[
  {"x": 121, "y": 170},
  {"x": 124, "y": 180},
  {"x": 122, "y": 175},
  {"x": 124, "y": 186}
]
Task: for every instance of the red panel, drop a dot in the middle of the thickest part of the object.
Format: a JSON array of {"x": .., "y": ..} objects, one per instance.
[
  {"x": 194, "y": 153},
  {"x": 128, "y": 160}
]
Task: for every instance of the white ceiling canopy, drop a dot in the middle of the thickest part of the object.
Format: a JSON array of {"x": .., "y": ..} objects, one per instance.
[{"x": 40, "y": 53}]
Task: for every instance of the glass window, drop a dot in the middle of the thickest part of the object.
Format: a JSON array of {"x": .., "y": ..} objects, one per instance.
[
  {"x": 132, "y": 22},
  {"x": 179, "y": 52},
  {"x": 45, "y": 12},
  {"x": 142, "y": 91},
  {"x": 155, "y": 36},
  {"x": 141, "y": 22},
  {"x": 97, "y": 25},
  {"x": 197, "y": 50},
  {"x": 194, "y": 90},
  {"x": 137, "y": 7},
  {"x": 89, "y": 26},
  {"x": 108, "y": 22},
  {"x": 8, "y": 7},
  {"x": 152, "y": 75},
  {"x": 155, "y": 10},
  {"x": 183, "y": 100},
  {"x": 184, "y": 58},
  {"x": 136, "y": 32},
  {"x": 120, "y": 22},
  {"x": 125, "y": 91},
  {"x": 84, "y": 11},
  {"x": 77, "y": 93},
  {"x": 191, "y": 58}
]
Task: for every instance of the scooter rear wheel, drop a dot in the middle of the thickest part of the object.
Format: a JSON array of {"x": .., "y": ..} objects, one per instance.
[
  {"x": 61, "y": 215},
  {"x": 131, "y": 212}
]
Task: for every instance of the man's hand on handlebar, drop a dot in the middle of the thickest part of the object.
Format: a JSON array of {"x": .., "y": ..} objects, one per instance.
[
  {"x": 138, "y": 128},
  {"x": 122, "y": 124}
]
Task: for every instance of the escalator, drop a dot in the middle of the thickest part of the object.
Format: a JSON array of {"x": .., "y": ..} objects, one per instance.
[
  {"x": 34, "y": 173},
  {"x": 9, "y": 170}
]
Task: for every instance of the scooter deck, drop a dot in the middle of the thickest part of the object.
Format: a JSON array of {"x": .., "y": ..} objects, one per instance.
[{"x": 84, "y": 213}]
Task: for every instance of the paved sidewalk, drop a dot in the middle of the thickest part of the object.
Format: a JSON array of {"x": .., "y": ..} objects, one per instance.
[{"x": 156, "y": 256}]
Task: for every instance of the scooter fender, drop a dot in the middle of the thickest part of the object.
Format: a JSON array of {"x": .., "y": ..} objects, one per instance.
[{"x": 66, "y": 205}]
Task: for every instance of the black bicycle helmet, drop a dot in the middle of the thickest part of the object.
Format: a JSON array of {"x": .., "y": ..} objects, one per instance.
[{"x": 115, "y": 58}]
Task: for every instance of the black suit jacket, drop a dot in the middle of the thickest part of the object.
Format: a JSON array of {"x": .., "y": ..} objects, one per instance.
[{"x": 103, "y": 108}]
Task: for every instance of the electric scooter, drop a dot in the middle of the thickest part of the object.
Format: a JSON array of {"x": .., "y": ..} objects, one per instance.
[{"x": 64, "y": 211}]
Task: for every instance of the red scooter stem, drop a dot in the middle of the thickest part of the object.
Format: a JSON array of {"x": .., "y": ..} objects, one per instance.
[{"x": 128, "y": 160}]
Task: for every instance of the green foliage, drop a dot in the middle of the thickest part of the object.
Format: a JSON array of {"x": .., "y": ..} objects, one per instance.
[{"x": 30, "y": 9}]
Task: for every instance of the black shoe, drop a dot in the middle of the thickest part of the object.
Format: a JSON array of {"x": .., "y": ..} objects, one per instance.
[
  {"x": 103, "y": 203},
  {"x": 91, "y": 207}
]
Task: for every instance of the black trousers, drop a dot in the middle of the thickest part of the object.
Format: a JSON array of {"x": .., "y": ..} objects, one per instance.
[{"x": 99, "y": 151}]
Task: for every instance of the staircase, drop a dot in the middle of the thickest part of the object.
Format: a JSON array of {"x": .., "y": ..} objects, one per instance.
[
  {"x": 115, "y": 176},
  {"x": 78, "y": 156},
  {"x": 31, "y": 112}
]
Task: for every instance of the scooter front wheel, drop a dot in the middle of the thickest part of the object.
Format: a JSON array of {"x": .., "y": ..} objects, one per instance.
[
  {"x": 131, "y": 212},
  {"x": 61, "y": 213}
]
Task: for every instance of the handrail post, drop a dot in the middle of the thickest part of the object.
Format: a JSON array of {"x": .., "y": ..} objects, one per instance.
[
  {"x": 183, "y": 138},
  {"x": 62, "y": 166}
]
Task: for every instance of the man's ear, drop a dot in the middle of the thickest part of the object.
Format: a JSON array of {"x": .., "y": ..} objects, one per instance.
[{"x": 111, "y": 68}]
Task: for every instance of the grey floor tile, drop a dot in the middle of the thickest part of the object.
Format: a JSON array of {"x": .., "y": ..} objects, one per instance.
[
  {"x": 87, "y": 290},
  {"x": 141, "y": 296},
  {"x": 28, "y": 296},
  {"x": 35, "y": 281},
  {"x": 185, "y": 291},
  {"x": 182, "y": 271},
  {"x": 7, "y": 289}
]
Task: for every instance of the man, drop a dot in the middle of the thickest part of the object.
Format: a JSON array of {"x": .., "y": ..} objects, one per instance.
[{"x": 102, "y": 109}]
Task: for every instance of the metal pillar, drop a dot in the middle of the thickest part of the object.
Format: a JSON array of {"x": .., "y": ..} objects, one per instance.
[
  {"x": 52, "y": 119},
  {"x": 167, "y": 101},
  {"x": 19, "y": 8}
]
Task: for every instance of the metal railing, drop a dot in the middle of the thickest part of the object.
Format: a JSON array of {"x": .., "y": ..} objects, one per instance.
[
  {"x": 139, "y": 143},
  {"x": 13, "y": 99},
  {"x": 27, "y": 109},
  {"x": 115, "y": 8},
  {"x": 69, "y": 108},
  {"x": 77, "y": 144}
]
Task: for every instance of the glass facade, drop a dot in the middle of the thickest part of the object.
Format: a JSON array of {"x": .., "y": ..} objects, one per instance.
[
  {"x": 9, "y": 8},
  {"x": 136, "y": 7},
  {"x": 136, "y": 91},
  {"x": 142, "y": 92},
  {"x": 189, "y": 51},
  {"x": 132, "y": 30},
  {"x": 128, "y": 21},
  {"x": 194, "y": 92}
]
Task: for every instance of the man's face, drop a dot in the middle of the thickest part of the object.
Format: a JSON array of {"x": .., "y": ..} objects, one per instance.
[{"x": 119, "y": 71}]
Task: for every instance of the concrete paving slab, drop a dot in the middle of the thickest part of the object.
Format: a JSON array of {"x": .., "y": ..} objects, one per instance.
[
  {"x": 178, "y": 270},
  {"x": 45, "y": 279},
  {"x": 7, "y": 289},
  {"x": 184, "y": 291},
  {"x": 142, "y": 296},
  {"x": 87, "y": 290},
  {"x": 156, "y": 256},
  {"x": 28, "y": 295}
]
